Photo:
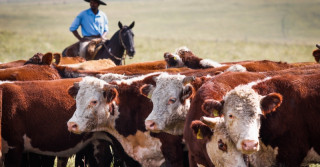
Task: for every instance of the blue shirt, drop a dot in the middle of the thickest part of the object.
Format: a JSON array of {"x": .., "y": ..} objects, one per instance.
[{"x": 91, "y": 24}]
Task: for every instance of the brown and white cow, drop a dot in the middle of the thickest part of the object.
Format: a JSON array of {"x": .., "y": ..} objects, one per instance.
[
  {"x": 212, "y": 89},
  {"x": 36, "y": 68},
  {"x": 34, "y": 115},
  {"x": 171, "y": 98},
  {"x": 183, "y": 57},
  {"x": 223, "y": 152},
  {"x": 290, "y": 112},
  {"x": 126, "y": 121}
]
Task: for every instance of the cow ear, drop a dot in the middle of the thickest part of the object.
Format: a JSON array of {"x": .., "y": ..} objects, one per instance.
[
  {"x": 73, "y": 90},
  {"x": 110, "y": 92},
  {"x": 188, "y": 79},
  {"x": 201, "y": 130},
  {"x": 212, "y": 107},
  {"x": 316, "y": 55},
  {"x": 131, "y": 25},
  {"x": 47, "y": 58},
  {"x": 57, "y": 58},
  {"x": 146, "y": 90},
  {"x": 270, "y": 102},
  {"x": 120, "y": 25},
  {"x": 187, "y": 92}
]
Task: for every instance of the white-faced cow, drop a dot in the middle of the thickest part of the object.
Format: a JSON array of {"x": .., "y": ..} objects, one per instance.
[
  {"x": 125, "y": 121},
  {"x": 223, "y": 152},
  {"x": 289, "y": 108},
  {"x": 34, "y": 115}
]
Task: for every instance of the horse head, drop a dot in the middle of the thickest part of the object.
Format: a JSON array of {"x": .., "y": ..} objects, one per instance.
[{"x": 126, "y": 38}]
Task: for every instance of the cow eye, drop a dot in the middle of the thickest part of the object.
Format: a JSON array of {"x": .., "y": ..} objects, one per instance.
[
  {"x": 230, "y": 116},
  {"x": 93, "y": 102},
  {"x": 222, "y": 146},
  {"x": 172, "y": 100}
]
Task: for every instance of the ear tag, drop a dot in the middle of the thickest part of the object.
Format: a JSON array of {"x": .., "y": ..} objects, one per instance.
[
  {"x": 53, "y": 60},
  {"x": 149, "y": 95},
  {"x": 174, "y": 58},
  {"x": 215, "y": 113},
  {"x": 199, "y": 134}
]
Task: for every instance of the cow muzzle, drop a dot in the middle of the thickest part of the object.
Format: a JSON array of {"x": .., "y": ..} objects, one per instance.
[
  {"x": 249, "y": 146},
  {"x": 73, "y": 127},
  {"x": 151, "y": 125}
]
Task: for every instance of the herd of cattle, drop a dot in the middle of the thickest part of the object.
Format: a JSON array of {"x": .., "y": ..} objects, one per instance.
[{"x": 180, "y": 111}]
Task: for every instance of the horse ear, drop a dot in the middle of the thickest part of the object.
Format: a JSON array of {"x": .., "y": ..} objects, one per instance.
[
  {"x": 120, "y": 25},
  {"x": 131, "y": 25}
]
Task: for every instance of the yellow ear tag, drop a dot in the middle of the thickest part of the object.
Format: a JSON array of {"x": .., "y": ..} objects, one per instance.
[
  {"x": 149, "y": 95},
  {"x": 174, "y": 58},
  {"x": 54, "y": 60},
  {"x": 215, "y": 113},
  {"x": 199, "y": 134}
]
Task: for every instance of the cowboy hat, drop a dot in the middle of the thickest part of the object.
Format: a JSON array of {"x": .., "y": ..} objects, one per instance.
[{"x": 100, "y": 2}]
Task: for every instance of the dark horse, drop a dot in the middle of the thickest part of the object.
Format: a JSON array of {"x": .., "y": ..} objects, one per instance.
[{"x": 113, "y": 49}]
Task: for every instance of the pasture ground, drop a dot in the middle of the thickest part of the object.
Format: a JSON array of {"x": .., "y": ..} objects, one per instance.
[
  {"x": 285, "y": 30},
  {"x": 224, "y": 31}
]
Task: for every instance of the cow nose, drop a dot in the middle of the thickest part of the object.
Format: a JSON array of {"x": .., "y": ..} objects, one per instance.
[
  {"x": 249, "y": 145},
  {"x": 150, "y": 125},
  {"x": 73, "y": 127}
]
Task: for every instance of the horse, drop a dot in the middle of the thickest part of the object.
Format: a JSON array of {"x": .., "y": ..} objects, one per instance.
[{"x": 113, "y": 49}]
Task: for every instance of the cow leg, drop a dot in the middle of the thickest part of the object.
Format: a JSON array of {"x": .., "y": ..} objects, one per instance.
[{"x": 62, "y": 161}]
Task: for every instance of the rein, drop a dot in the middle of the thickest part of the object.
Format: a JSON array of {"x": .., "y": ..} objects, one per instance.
[{"x": 114, "y": 56}]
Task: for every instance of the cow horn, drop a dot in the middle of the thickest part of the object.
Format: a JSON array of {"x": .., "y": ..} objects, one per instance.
[
  {"x": 318, "y": 46},
  {"x": 211, "y": 122}
]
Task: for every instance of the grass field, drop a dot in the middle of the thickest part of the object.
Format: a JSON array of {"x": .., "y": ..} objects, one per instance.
[
  {"x": 229, "y": 30},
  {"x": 280, "y": 30}
]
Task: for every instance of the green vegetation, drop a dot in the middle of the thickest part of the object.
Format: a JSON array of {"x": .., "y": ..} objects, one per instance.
[{"x": 285, "y": 30}]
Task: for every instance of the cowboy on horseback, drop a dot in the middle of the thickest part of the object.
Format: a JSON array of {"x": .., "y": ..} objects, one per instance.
[{"x": 94, "y": 27}]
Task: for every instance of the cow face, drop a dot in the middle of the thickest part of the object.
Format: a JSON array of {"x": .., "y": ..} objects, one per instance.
[
  {"x": 242, "y": 109},
  {"x": 220, "y": 148},
  {"x": 94, "y": 102},
  {"x": 171, "y": 102}
]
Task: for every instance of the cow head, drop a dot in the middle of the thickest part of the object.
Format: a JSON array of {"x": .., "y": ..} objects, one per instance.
[
  {"x": 96, "y": 108},
  {"x": 316, "y": 54},
  {"x": 41, "y": 59},
  {"x": 242, "y": 109},
  {"x": 174, "y": 60},
  {"x": 171, "y": 102},
  {"x": 220, "y": 148}
]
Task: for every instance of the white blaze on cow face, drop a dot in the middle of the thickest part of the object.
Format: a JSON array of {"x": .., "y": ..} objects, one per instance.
[
  {"x": 92, "y": 110},
  {"x": 242, "y": 117},
  {"x": 171, "y": 103}
]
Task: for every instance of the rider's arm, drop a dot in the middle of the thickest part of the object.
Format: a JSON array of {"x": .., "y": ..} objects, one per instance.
[{"x": 76, "y": 34}]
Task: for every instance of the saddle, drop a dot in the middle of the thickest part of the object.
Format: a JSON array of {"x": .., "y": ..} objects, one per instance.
[{"x": 91, "y": 51}]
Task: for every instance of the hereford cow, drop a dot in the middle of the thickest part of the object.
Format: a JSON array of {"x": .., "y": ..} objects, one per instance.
[
  {"x": 126, "y": 120},
  {"x": 280, "y": 100},
  {"x": 171, "y": 99},
  {"x": 35, "y": 68},
  {"x": 171, "y": 96},
  {"x": 183, "y": 57},
  {"x": 24, "y": 108},
  {"x": 223, "y": 152}
]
